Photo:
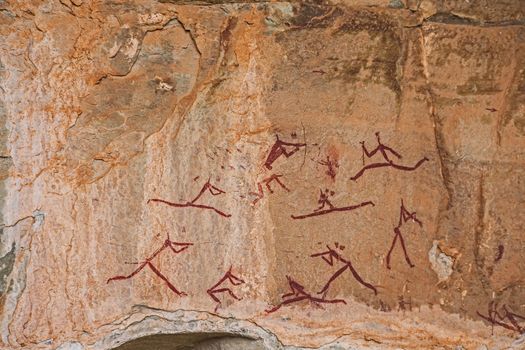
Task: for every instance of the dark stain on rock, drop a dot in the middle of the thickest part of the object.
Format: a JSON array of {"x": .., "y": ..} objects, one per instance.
[
  {"x": 370, "y": 21},
  {"x": 450, "y": 18},
  {"x": 478, "y": 86},
  {"x": 483, "y": 12},
  {"x": 517, "y": 100},
  {"x": 314, "y": 16},
  {"x": 5, "y": 160},
  {"x": 519, "y": 123},
  {"x": 378, "y": 62},
  {"x": 383, "y": 63}
]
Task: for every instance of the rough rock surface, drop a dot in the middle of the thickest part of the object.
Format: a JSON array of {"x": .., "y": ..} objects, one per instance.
[{"x": 111, "y": 110}]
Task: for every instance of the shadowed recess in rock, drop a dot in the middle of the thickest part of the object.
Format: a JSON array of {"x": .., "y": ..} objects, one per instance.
[{"x": 195, "y": 341}]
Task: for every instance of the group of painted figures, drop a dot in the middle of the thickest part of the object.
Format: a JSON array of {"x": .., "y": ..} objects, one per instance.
[{"x": 297, "y": 293}]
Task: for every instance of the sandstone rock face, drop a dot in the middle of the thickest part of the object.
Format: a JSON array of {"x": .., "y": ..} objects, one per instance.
[{"x": 262, "y": 175}]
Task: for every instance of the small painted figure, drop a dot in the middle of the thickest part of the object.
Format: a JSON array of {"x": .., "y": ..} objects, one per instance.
[
  {"x": 279, "y": 149},
  {"x": 383, "y": 149},
  {"x": 175, "y": 247},
  {"x": 208, "y": 187},
  {"x": 260, "y": 193},
  {"x": 234, "y": 280},
  {"x": 504, "y": 318},
  {"x": 297, "y": 294},
  {"x": 324, "y": 201},
  {"x": 330, "y": 256},
  {"x": 331, "y": 165},
  {"x": 404, "y": 216}
]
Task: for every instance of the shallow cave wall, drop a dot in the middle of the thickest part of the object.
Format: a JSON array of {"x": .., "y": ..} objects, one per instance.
[{"x": 343, "y": 174}]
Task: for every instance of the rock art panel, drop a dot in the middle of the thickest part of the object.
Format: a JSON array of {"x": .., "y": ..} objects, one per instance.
[{"x": 283, "y": 175}]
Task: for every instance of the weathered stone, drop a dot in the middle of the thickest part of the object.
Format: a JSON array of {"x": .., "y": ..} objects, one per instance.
[{"x": 111, "y": 111}]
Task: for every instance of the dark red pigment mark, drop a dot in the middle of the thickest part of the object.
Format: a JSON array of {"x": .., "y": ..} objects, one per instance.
[
  {"x": 504, "y": 318},
  {"x": 501, "y": 250},
  {"x": 234, "y": 280},
  {"x": 384, "y": 307},
  {"x": 491, "y": 109},
  {"x": 297, "y": 294},
  {"x": 404, "y": 304},
  {"x": 279, "y": 149},
  {"x": 214, "y": 191},
  {"x": 331, "y": 164},
  {"x": 324, "y": 201},
  {"x": 388, "y": 162},
  {"x": 267, "y": 182},
  {"x": 404, "y": 216},
  {"x": 330, "y": 256},
  {"x": 174, "y": 246}
]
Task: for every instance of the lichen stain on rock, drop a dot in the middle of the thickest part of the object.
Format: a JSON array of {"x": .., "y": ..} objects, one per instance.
[
  {"x": 441, "y": 263},
  {"x": 6, "y": 267}
]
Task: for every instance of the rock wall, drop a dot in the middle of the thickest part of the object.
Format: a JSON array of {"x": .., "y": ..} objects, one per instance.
[{"x": 330, "y": 175}]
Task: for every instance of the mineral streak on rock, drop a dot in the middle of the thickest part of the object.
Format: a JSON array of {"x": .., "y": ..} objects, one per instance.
[{"x": 294, "y": 113}]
